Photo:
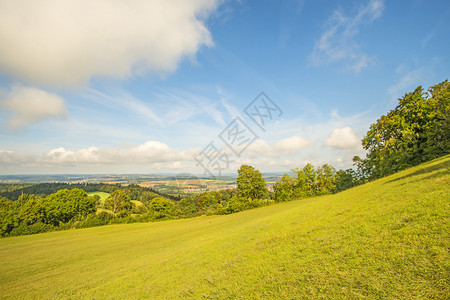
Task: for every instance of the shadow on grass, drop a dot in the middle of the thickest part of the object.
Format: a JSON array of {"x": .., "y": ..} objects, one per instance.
[{"x": 443, "y": 168}]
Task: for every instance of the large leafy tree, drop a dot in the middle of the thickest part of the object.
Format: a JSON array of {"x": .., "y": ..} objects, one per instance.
[
  {"x": 64, "y": 206},
  {"x": 251, "y": 183},
  {"x": 119, "y": 203},
  {"x": 161, "y": 205},
  {"x": 415, "y": 131}
]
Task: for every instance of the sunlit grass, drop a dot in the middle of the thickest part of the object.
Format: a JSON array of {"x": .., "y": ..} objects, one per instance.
[
  {"x": 386, "y": 239},
  {"x": 103, "y": 196}
]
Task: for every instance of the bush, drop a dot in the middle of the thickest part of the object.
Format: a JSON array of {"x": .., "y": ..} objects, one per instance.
[
  {"x": 38, "y": 227},
  {"x": 94, "y": 220},
  {"x": 105, "y": 216},
  {"x": 139, "y": 209}
]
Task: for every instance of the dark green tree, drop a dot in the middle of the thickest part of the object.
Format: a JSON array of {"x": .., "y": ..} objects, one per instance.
[{"x": 345, "y": 179}]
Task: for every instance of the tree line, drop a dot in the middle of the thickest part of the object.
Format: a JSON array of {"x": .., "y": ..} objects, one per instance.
[{"x": 14, "y": 191}]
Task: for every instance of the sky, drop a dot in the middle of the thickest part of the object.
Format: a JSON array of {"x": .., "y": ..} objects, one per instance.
[{"x": 203, "y": 86}]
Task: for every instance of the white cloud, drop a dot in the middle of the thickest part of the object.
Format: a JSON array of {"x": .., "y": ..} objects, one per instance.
[
  {"x": 11, "y": 158},
  {"x": 27, "y": 105},
  {"x": 57, "y": 42},
  {"x": 343, "y": 138},
  {"x": 61, "y": 155},
  {"x": 149, "y": 152},
  {"x": 257, "y": 149},
  {"x": 286, "y": 146},
  {"x": 175, "y": 165},
  {"x": 338, "y": 42},
  {"x": 291, "y": 144}
]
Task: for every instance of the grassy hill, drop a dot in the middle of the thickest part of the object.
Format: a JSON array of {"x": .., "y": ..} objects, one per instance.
[
  {"x": 103, "y": 196},
  {"x": 388, "y": 238}
]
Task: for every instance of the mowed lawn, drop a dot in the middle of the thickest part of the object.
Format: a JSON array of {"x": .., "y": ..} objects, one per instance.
[{"x": 386, "y": 239}]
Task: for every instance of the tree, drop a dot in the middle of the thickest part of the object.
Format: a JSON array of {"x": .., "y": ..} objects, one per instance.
[
  {"x": 32, "y": 211},
  {"x": 326, "y": 180},
  {"x": 8, "y": 219},
  {"x": 208, "y": 200},
  {"x": 66, "y": 205},
  {"x": 119, "y": 203},
  {"x": 161, "y": 207},
  {"x": 308, "y": 182},
  {"x": 345, "y": 179},
  {"x": 305, "y": 181},
  {"x": 415, "y": 131},
  {"x": 438, "y": 135},
  {"x": 251, "y": 184},
  {"x": 284, "y": 188},
  {"x": 96, "y": 199}
]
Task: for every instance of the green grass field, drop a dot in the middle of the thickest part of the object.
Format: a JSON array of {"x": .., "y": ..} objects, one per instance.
[
  {"x": 386, "y": 239},
  {"x": 103, "y": 195}
]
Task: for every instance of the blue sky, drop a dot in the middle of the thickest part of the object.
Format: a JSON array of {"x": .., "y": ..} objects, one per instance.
[{"x": 147, "y": 86}]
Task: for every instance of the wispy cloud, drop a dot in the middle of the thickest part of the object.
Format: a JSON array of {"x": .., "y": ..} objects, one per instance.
[
  {"x": 410, "y": 78},
  {"x": 119, "y": 98},
  {"x": 166, "y": 108},
  {"x": 338, "y": 42}
]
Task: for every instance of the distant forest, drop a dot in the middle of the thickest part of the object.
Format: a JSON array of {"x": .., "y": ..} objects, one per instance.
[{"x": 14, "y": 191}]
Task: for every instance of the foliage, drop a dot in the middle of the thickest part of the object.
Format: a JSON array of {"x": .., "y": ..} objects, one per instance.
[
  {"x": 138, "y": 207},
  {"x": 30, "y": 214},
  {"x": 34, "y": 228},
  {"x": 346, "y": 179},
  {"x": 44, "y": 189},
  {"x": 284, "y": 188},
  {"x": 65, "y": 205},
  {"x": 119, "y": 203},
  {"x": 307, "y": 182},
  {"x": 415, "y": 131},
  {"x": 161, "y": 205},
  {"x": 41, "y": 190},
  {"x": 250, "y": 183}
]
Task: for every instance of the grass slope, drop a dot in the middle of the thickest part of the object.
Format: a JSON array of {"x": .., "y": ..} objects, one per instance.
[
  {"x": 103, "y": 196},
  {"x": 386, "y": 239}
]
